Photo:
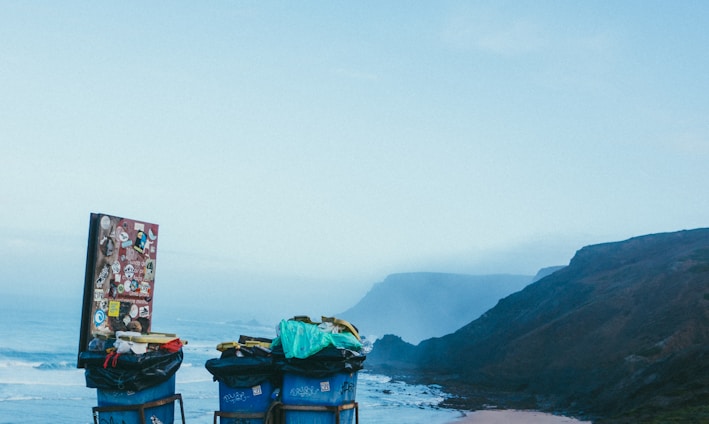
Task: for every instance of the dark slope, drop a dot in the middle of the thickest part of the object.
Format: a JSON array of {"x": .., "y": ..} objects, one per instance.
[{"x": 623, "y": 328}]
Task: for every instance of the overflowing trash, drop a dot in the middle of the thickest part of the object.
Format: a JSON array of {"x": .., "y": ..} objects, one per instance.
[
  {"x": 301, "y": 338},
  {"x": 134, "y": 375},
  {"x": 307, "y": 374}
]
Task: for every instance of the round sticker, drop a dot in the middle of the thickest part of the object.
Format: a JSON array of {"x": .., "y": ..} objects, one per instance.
[
  {"x": 129, "y": 271},
  {"x": 99, "y": 317},
  {"x": 133, "y": 310},
  {"x": 105, "y": 222}
]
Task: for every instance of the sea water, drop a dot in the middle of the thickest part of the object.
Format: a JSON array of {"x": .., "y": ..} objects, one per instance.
[{"x": 39, "y": 381}]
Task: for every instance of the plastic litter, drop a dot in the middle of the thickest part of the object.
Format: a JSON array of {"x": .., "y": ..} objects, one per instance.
[
  {"x": 300, "y": 339},
  {"x": 129, "y": 371}
]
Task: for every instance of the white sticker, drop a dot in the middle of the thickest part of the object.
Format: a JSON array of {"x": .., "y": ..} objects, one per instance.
[
  {"x": 324, "y": 386},
  {"x": 144, "y": 312},
  {"x": 257, "y": 390},
  {"x": 129, "y": 271},
  {"x": 102, "y": 276}
]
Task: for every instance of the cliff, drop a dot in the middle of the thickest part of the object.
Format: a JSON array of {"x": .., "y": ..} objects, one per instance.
[{"x": 622, "y": 331}]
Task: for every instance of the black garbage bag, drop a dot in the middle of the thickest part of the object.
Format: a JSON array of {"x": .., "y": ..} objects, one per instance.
[
  {"x": 328, "y": 361},
  {"x": 129, "y": 371},
  {"x": 242, "y": 371}
]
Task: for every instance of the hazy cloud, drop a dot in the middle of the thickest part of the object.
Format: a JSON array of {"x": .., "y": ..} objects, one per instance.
[
  {"x": 483, "y": 31},
  {"x": 356, "y": 74}
]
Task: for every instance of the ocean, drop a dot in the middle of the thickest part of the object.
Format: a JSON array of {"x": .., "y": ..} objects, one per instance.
[{"x": 39, "y": 381}]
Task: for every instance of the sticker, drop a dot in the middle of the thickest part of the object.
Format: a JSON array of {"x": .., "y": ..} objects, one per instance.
[
  {"x": 126, "y": 287},
  {"x": 151, "y": 234},
  {"x": 140, "y": 240},
  {"x": 129, "y": 271},
  {"x": 120, "y": 289},
  {"x": 105, "y": 222},
  {"x": 133, "y": 311},
  {"x": 139, "y": 226},
  {"x": 103, "y": 305},
  {"x": 114, "y": 308},
  {"x": 99, "y": 318},
  {"x": 98, "y": 296},
  {"x": 131, "y": 255},
  {"x": 324, "y": 386},
  {"x": 109, "y": 248},
  {"x": 133, "y": 285},
  {"x": 149, "y": 271},
  {"x": 145, "y": 288},
  {"x": 102, "y": 276},
  {"x": 126, "y": 244},
  {"x": 116, "y": 267},
  {"x": 144, "y": 311},
  {"x": 123, "y": 237},
  {"x": 257, "y": 390}
]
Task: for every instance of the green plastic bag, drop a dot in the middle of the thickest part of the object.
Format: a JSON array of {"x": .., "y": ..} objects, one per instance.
[{"x": 302, "y": 340}]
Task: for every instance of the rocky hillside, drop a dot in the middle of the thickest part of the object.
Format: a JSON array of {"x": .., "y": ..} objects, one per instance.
[
  {"x": 621, "y": 334},
  {"x": 417, "y": 306}
]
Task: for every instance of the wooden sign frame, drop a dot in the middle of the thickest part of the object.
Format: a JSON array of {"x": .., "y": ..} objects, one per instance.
[{"x": 119, "y": 282}]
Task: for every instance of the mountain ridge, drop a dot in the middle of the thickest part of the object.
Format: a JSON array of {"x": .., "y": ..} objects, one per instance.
[
  {"x": 420, "y": 305},
  {"x": 613, "y": 333}
]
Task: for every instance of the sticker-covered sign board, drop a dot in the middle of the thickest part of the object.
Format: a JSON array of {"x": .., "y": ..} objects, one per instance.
[{"x": 120, "y": 277}]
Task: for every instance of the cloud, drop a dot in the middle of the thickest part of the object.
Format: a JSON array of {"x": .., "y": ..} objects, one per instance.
[
  {"x": 493, "y": 34},
  {"x": 357, "y": 74},
  {"x": 515, "y": 38},
  {"x": 582, "y": 60},
  {"x": 547, "y": 52},
  {"x": 691, "y": 143}
]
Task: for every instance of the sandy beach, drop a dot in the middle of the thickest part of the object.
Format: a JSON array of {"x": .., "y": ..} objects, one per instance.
[{"x": 515, "y": 417}]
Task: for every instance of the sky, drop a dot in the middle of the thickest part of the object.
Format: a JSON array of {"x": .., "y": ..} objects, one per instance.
[{"x": 296, "y": 153}]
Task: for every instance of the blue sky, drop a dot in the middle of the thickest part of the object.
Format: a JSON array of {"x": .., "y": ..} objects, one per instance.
[{"x": 301, "y": 151}]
